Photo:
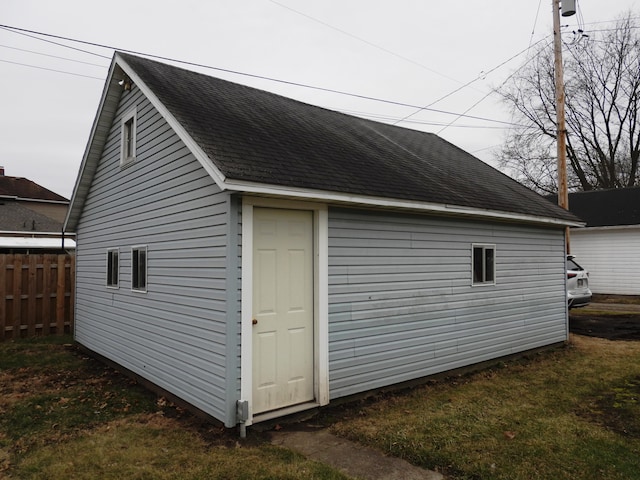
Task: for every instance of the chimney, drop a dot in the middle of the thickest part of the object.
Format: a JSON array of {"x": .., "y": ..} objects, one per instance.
[{"x": 1, "y": 171}]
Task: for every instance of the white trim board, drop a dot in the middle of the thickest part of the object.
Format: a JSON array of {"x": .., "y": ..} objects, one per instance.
[
  {"x": 391, "y": 203},
  {"x": 321, "y": 302}
]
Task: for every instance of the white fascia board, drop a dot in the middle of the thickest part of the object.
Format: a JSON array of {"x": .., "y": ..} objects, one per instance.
[
  {"x": 191, "y": 144},
  {"x": 39, "y": 200},
  {"x": 36, "y": 234},
  {"x": 605, "y": 228},
  {"x": 436, "y": 208},
  {"x": 92, "y": 154}
]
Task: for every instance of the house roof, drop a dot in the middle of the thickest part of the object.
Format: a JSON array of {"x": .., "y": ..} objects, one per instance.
[
  {"x": 25, "y": 189},
  {"x": 253, "y": 140},
  {"x": 605, "y": 208},
  {"x": 15, "y": 217}
]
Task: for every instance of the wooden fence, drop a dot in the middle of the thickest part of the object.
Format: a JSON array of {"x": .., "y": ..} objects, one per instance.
[{"x": 36, "y": 295}]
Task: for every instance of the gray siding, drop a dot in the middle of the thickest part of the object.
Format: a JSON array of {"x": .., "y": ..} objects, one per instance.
[
  {"x": 401, "y": 304},
  {"x": 175, "y": 335},
  {"x": 234, "y": 307}
]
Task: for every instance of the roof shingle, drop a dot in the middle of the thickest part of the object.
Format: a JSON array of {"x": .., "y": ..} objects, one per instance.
[
  {"x": 606, "y": 208},
  {"x": 15, "y": 217},
  {"x": 23, "y": 188},
  {"x": 256, "y": 136}
]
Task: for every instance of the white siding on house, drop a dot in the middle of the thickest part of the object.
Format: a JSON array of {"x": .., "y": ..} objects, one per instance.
[
  {"x": 401, "y": 304},
  {"x": 612, "y": 256},
  {"x": 175, "y": 334}
]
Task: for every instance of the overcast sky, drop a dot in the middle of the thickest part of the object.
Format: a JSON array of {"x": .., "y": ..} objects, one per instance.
[{"x": 411, "y": 52}]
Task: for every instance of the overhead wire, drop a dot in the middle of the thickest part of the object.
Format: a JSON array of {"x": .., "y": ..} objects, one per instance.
[
  {"x": 32, "y": 34},
  {"x": 26, "y": 33},
  {"x": 528, "y": 60},
  {"x": 52, "y": 70},
  {"x": 363, "y": 40},
  {"x": 405, "y": 119},
  {"x": 484, "y": 74},
  {"x": 535, "y": 23},
  {"x": 53, "y": 56},
  {"x": 252, "y": 75},
  {"x": 418, "y": 122},
  {"x": 580, "y": 22}
]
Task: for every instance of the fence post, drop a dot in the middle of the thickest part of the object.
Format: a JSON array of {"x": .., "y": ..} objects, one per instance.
[
  {"x": 17, "y": 295},
  {"x": 32, "y": 293},
  {"x": 46, "y": 295},
  {"x": 4, "y": 323}
]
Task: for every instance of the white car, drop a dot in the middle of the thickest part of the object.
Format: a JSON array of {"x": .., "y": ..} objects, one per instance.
[{"x": 578, "y": 293}]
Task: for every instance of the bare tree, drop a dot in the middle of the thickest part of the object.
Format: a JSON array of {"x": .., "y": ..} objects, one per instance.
[{"x": 602, "y": 88}]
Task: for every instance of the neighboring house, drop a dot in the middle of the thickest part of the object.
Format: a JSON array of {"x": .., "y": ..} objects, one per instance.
[
  {"x": 31, "y": 217},
  {"x": 255, "y": 256},
  {"x": 609, "y": 245}
]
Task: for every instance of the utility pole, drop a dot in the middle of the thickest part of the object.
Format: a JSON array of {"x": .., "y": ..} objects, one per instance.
[{"x": 561, "y": 132}]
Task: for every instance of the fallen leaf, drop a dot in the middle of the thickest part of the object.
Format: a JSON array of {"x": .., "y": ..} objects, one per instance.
[{"x": 510, "y": 435}]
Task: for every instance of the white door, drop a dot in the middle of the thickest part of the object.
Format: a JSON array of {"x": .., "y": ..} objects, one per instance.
[{"x": 282, "y": 308}]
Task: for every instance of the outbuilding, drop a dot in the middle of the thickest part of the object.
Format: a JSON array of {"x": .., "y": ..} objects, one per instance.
[
  {"x": 255, "y": 256},
  {"x": 609, "y": 245}
]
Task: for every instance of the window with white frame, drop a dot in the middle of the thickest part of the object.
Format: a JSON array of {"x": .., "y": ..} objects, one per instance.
[
  {"x": 128, "y": 138},
  {"x": 484, "y": 264},
  {"x": 113, "y": 267},
  {"x": 139, "y": 269}
]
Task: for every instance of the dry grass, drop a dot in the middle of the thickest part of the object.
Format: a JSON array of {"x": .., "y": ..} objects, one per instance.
[
  {"x": 618, "y": 299},
  {"x": 66, "y": 416},
  {"x": 569, "y": 414},
  {"x": 159, "y": 448}
]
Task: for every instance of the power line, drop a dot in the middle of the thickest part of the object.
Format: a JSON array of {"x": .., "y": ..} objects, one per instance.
[
  {"x": 487, "y": 95},
  {"x": 261, "y": 77},
  {"x": 360, "y": 39},
  {"x": 378, "y": 116},
  {"x": 535, "y": 23},
  {"x": 484, "y": 74},
  {"x": 21, "y": 31},
  {"x": 51, "y": 70},
  {"x": 53, "y": 56}
]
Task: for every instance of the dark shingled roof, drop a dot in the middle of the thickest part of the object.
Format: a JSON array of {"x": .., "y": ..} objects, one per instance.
[
  {"x": 26, "y": 189},
  {"x": 606, "y": 208},
  {"x": 257, "y": 136},
  {"x": 15, "y": 217}
]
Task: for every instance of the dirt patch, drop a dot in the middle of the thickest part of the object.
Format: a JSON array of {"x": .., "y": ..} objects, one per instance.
[
  {"x": 611, "y": 327},
  {"x": 616, "y": 299},
  {"x": 618, "y": 409}
]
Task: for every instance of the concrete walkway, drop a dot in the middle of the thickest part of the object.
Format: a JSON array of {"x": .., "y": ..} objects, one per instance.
[{"x": 348, "y": 457}]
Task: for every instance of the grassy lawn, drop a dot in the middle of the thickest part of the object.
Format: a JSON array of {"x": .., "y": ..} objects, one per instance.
[
  {"x": 66, "y": 416},
  {"x": 569, "y": 413},
  {"x": 572, "y": 413}
]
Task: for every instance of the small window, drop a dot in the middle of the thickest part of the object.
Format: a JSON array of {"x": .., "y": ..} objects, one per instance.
[
  {"x": 113, "y": 267},
  {"x": 128, "y": 138},
  {"x": 484, "y": 265},
  {"x": 139, "y": 269}
]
